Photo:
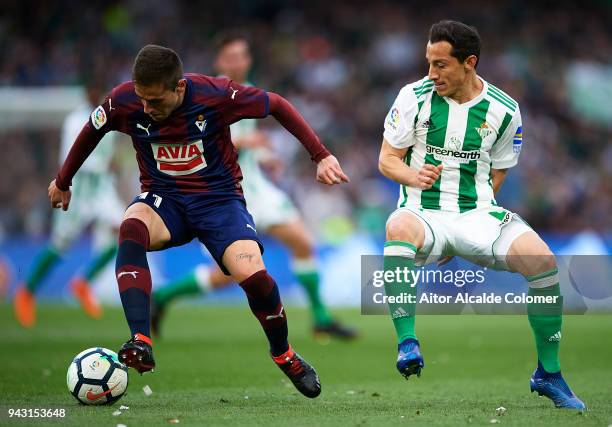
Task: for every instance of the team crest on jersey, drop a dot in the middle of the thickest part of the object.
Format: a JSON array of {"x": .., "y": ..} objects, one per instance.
[
  {"x": 484, "y": 130},
  {"x": 393, "y": 118},
  {"x": 98, "y": 117},
  {"x": 201, "y": 123},
  {"x": 517, "y": 142},
  {"x": 179, "y": 159}
]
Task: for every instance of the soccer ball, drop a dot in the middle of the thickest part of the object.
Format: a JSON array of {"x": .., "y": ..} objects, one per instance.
[{"x": 96, "y": 377}]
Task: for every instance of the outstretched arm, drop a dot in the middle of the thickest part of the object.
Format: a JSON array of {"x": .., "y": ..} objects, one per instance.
[{"x": 328, "y": 169}]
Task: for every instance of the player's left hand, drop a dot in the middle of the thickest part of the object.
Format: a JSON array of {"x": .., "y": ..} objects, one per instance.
[
  {"x": 329, "y": 171},
  {"x": 59, "y": 198}
]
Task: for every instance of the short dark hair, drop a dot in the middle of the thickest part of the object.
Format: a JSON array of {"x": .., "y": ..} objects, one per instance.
[
  {"x": 463, "y": 38},
  {"x": 157, "y": 64},
  {"x": 224, "y": 39}
]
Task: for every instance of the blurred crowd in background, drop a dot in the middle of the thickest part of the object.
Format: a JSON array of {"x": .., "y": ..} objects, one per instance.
[{"x": 342, "y": 64}]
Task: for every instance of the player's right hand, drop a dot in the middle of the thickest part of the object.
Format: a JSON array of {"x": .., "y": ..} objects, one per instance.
[
  {"x": 428, "y": 175},
  {"x": 329, "y": 171},
  {"x": 59, "y": 198}
]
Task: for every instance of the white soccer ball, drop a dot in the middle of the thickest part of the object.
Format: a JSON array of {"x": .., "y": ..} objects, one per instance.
[{"x": 96, "y": 377}]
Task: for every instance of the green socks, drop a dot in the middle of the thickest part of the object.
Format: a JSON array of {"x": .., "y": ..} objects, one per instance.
[
  {"x": 197, "y": 282},
  {"x": 47, "y": 259},
  {"x": 400, "y": 255},
  {"x": 545, "y": 318},
  {"x": 100, "y": 261},
  {"x": 308, "y": 276}
]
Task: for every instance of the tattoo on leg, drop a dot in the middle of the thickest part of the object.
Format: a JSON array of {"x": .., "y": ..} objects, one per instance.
[{"x": 245, "y": 256}]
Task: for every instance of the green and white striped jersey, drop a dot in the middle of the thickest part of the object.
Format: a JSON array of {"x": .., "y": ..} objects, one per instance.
[
  {"x": 99, "y": 160},
  {"x": 248, "y": 158},
  {"x": 469, "y": 139}
]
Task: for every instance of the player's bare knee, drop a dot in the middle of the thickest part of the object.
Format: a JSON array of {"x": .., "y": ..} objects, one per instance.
[
  {"x": 139, "y": 211},
  {"x": 530, "y": 255},
  {"x": 543, "y": 263},
  {"x": 245, "y": 265},
  {"x": 303, "y": 248},
  {"x": 242, "y": 259},
  {"x": 406, "y": 228},
  {"x": 531, "y": 265}
]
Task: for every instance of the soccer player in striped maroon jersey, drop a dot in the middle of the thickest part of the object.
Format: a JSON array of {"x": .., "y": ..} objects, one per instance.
[
  {"x": 190, "y": 183},
  {"x": 273, "y": 212}
]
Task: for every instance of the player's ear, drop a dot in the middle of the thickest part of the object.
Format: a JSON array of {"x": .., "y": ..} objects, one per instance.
[
  {"x": 180, "y": 87},
  {"x": 470, "y": 62}
]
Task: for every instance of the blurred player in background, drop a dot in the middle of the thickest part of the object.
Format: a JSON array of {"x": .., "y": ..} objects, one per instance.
[
  {"x": 94, "y": 201},
  {"x": 272, "y": 211},
  {"x": 190, "y": 181},
  {"x": 449, "y": 140}
]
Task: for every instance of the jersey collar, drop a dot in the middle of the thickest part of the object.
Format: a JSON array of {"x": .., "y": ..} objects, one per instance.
[{"x": 472, "y": 101}]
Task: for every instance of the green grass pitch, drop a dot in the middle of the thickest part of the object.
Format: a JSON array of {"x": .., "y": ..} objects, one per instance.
[{"x": 213, "y": 369}]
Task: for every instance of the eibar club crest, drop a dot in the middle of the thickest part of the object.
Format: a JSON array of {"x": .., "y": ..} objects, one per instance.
[{"x": 201, "y": 123}]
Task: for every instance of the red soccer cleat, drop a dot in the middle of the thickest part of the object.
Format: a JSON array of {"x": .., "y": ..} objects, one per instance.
[
  {"x": 137, "y": 353},
  {"x": 302, "y": 375}
]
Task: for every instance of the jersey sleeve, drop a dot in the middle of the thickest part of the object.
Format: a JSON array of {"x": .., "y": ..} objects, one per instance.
[
  {"x": 243, "y": 102},
  {"x": 399, "y": 124},
  {"x": 113, "y": 112},
  {"x": 505, "y": 151}
]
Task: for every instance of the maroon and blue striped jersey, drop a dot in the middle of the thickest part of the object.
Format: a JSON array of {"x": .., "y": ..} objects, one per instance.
[{"x": 191, "y": 150}]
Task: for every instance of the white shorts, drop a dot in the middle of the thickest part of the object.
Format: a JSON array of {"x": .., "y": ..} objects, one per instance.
[
  {"x": 94, "y": 201},
  {"x": 268, "y": 204},
  {"x": 482, "y": 236}
]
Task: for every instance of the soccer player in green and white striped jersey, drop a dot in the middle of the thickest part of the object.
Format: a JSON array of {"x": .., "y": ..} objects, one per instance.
[
  {"x": 449, "y": 140},
  {"x": 470, "y": 139},
  {"x": 94, "y": 202}
]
